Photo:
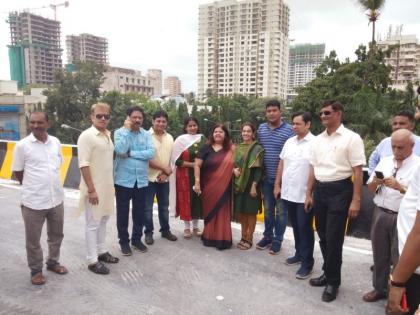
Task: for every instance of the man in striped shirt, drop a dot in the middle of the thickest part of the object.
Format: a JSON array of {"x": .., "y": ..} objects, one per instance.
[{"x": 272, "y": 135}]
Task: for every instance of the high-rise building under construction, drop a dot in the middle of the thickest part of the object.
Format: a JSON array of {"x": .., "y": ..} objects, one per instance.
[
  {"x": 87, "y": 47},
  {"x": 35, "y": 49}
]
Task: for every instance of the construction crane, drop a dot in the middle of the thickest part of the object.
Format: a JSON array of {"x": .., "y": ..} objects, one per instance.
[
  {"x": 51, "y": 6},
  {"x": 54, "y": 7}
]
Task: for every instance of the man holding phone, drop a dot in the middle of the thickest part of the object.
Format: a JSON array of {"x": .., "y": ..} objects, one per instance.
[
  {"x": 389, "y": 183},
  {"x": 134, "y": 148}
]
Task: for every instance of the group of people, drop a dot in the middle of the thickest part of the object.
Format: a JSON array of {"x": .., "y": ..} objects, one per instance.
[{"x": 283, "y": 166}]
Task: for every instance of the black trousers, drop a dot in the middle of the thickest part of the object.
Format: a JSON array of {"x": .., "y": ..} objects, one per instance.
[
  {"x": 331, "y": 202},
  {"x": 413, "y": 293}
]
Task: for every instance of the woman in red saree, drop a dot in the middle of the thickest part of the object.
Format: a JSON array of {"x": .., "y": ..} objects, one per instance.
[
  {"x": 182, "y": 199},
  {"x": 213, "y": 175}
]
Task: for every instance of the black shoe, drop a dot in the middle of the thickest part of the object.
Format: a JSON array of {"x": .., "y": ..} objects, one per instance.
[
  {"x": 138, "y": 245},
  {"x": 318, "y": 282},
  {"x": 330, "y": 293},
  {"x": 169, "y": 236},
  {"x": 148, "y": 238},
  {"x": 126, "y": 250}
]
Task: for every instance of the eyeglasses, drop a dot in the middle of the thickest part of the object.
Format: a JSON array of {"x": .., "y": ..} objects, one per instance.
[
  {"x": 325, "y": 113},
  {"x": 105, "y": 116}
]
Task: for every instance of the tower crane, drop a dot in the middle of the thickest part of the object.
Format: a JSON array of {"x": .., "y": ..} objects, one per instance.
[{"x": 51, "y": 6}]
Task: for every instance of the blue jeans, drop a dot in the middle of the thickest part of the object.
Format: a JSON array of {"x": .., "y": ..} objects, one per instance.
[
  {"x": 302, "y": 231},
  {"x": 275, "y": 218},
  {"x": 123, "y": 196},
  {"x": 161, "y": 191}
]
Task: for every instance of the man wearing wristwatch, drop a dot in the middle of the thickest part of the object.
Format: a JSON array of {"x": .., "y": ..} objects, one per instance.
[
  {"x": 134, "y": 148},
  {"x": 405, "y": 277},
  {"x": 159, "y": 172},
  {"x": 389, "y": 181}
]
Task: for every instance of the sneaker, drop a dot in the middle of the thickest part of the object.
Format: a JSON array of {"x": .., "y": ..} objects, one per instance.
[
  {"x": 126, "y": 250},
  {"x": 138, "y": 245},
  {"x": 303, "y": 273},
  {"x": 169, "y": 236},
  {"x": 291, "y": 261},
  {"x": 264, "y": 243},
  {"x": 275, "y": 248},
  {"x": 148, "y": 238}
]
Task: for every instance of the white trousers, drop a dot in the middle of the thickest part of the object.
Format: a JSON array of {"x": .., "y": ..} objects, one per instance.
[
  {"x": 95, "y": 234},
  {"x": 187, "y": 224}
]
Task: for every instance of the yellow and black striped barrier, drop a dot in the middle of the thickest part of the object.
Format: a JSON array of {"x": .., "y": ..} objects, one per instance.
[{"x": 69, "y": 173}]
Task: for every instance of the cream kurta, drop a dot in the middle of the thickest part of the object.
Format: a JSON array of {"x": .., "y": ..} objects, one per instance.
[
  {"x": 163, "y": 146},
  {"x": 95, "y": 149}
]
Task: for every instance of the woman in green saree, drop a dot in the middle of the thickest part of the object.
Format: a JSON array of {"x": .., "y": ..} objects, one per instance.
[{"x": 247, "y": 181}]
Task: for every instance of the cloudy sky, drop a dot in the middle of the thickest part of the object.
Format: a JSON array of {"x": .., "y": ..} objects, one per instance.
[{"x": 162, "y": 34}]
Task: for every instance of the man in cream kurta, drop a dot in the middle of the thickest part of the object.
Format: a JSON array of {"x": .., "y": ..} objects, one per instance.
[
  {"x": 159, "y": 172},
  {"x": 95, "y": 153}
]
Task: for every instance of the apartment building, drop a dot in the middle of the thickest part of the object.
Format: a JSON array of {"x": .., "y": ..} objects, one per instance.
[
  {"x": 35, "y": 49},
  {"x": 172, "y": 86},
  {"x": 127, "y": 80},
  {"x": 404, "y": 59},
  {"x": 303, "y": 60},
  {"x": 155, "y": 76},
  {"x": 87, "y": 47},
  {"x": 243, "y": 48}
]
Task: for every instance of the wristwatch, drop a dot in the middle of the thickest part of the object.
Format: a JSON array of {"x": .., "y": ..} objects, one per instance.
[
  {"x": 396, "y": 284},
  {"x": 403, "y": 190}
]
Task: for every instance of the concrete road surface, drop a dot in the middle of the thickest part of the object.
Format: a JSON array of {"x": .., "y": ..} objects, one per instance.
[{"x": 180, "y": 277}]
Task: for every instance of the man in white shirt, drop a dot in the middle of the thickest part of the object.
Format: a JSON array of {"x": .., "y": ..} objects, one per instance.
[
  {"x": 290, "y": 186},
  {"x": 36, "y": 165},
  {"x": 338, "y": 155},
  {"x": 389, "y": 180},
  {"x": 405, "y": 278}
]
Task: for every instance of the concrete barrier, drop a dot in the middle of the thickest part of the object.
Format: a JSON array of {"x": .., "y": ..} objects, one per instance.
[{"x": 69, "y": 172}]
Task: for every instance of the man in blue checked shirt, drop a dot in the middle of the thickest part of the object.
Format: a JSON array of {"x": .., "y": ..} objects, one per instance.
[{"x": 134, "y": 148}]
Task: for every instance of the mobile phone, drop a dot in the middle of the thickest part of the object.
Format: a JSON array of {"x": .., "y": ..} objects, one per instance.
[{"x": 379, "y": 174}]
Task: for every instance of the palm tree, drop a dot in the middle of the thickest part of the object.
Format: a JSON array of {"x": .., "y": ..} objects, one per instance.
[{"x": 373, "y": 7}]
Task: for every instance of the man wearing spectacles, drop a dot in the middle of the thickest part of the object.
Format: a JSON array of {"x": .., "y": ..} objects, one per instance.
[
  {"x": 404, "y": 119},
  {"x": 396, "y": 171},
  {"x": 95, "y": 153},
  {"x": 337, "y": 155},
  {"x": 134, "y": 148}
]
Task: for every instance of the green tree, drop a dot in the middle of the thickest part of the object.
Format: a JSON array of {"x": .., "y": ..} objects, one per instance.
[{"x": 70, "y": 97}]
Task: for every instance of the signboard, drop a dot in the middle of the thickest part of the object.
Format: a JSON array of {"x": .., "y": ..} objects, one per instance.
[{"x": 9, "y": 126}]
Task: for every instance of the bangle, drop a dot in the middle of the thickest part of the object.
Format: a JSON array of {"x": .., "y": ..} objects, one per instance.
[{"x": 396, "y": 284}]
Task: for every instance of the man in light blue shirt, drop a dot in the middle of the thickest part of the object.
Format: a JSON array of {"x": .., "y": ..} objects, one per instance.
[
  {"x": 134, "y": 148},
  {"x": 402, "y": 120}
]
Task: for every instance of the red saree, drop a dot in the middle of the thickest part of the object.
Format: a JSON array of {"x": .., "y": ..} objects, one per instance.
[{"x": 216, "y": 197}]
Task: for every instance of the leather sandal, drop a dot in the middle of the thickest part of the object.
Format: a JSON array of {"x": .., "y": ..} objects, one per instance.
[
  {"x": 38, "y": 279},
  {"x": 240, "y": 243},
  {"x": 108, "y": 258},
  {"x": 187, "y": 233},
  {"x": 197, "y": 232},
  {"x": 245, "y": 245},
  {"x": 57, "y": 268},
  {"x": 98, "y": 268}
]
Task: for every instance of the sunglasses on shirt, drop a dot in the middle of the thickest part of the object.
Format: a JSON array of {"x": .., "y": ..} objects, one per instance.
[{"x": 105, "y": 116}]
